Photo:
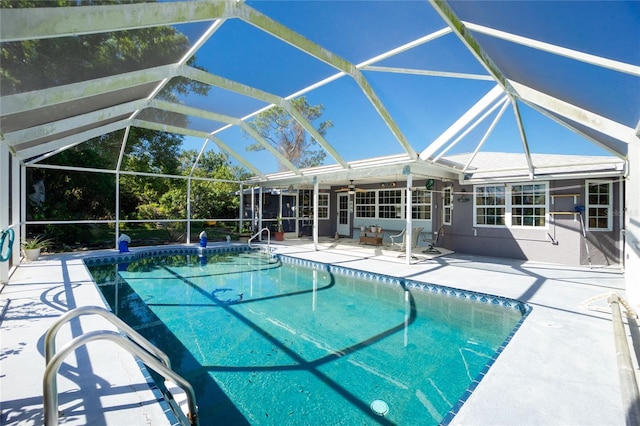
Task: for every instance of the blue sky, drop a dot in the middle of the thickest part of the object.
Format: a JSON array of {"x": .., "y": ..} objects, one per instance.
[{"x": 422, "y": 106}]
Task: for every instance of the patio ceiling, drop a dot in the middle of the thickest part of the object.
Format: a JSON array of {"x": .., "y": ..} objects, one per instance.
[{"x": 387, "y": 60}]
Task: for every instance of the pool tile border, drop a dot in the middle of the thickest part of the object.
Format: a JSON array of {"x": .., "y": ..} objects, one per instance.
[
  {"x": 523, "y": 308},
  {"x": 490, "y": 299},
  {"x": 142, "y": 252}
]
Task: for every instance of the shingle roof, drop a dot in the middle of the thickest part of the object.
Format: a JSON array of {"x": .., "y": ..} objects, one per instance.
[{"x": 514, "y": 166}]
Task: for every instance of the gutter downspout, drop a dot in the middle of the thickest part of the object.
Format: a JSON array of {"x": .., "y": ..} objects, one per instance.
[
  {"x": 621, "y": 194},
  {"x": 408, "y": 235}
]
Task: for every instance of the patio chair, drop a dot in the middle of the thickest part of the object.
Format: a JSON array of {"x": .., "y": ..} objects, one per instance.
[
  {"x": 401, "y": 239},
  {"x": 432, "y": 241}
]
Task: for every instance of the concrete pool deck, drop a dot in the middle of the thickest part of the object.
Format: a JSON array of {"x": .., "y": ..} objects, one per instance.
[{"x": 559, "y": 369}]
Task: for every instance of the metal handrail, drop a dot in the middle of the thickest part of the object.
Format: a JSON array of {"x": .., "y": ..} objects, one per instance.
[
  {"x": 50, "y": 337},
  {"x": 50, "y": 386},
  {"x": 260, "y": 233},
  {"x": 132, "y": 341}
]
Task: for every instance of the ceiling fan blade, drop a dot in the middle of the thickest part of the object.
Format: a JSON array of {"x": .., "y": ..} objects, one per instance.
[{"x": 350, "y": 188}]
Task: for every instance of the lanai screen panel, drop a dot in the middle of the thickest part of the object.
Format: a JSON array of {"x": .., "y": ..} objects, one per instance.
[
  {"x": 608, "y": 30},
  {"x": 392, "y": 75}
]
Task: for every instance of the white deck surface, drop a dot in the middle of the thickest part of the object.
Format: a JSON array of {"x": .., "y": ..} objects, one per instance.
[{"x": 559, "y": 369}]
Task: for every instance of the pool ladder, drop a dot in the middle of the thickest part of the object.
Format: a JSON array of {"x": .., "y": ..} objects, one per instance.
[
  {"x": 127, "y": 338},
  {"x": 257, "y": 234}
]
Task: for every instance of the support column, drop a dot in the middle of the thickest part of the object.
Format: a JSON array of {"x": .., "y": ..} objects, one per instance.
[
  {"x": 123, "y": 146},
  {"x": 15, "y": 207},
  {"x": 260, "y": 203},
  {"x": 4, "y": 203},
  {"x": 254, "y": 218},
  {"x": 23, "y": 201},
  {"x": 316, "y": 208},
  {"x": 632, "y": 223},
  {"x": 408, "y": 235},
  {"x": 241, "y": 209},
  {"x": 117, "y": 207},
  {"x": 189, "y": 211}
]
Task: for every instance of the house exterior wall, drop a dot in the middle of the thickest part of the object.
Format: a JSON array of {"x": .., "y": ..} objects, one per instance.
[
  {"x": 560, "y": 241},
  {"x": 325, "y": 226},
  {"x": 389, "y": 226}
]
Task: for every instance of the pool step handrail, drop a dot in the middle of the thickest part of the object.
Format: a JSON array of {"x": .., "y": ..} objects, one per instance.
[
  {"x": 257, "y": 234},
  {"x": 50, "y": 336},
  {"x": 127, "y": 338}
]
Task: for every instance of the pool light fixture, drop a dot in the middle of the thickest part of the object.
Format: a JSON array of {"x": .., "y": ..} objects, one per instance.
[{"x": 380, "y": 407}]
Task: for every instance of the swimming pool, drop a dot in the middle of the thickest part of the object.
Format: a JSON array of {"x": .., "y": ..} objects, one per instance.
[{"x": 277, "y": 340}]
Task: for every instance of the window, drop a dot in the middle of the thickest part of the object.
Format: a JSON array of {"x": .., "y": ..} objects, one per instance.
[
  {"x": 511, "y": 205},
  {"x": 447, "y": 205},
  {"x": 599, "y": 206},
  {"x": 421, "y": 204},
  {"x": 529, "y": 205},
  {"x": 390, "y": 204},
  {"x": 323, "y": 206},
  {"x": 365, "y": 204},
  {"x": 490, "y": 208},
  {"x": 305, "y": 204}
]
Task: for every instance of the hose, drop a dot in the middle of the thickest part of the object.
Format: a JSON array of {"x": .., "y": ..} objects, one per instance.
[{"x": 12, "y": 235}]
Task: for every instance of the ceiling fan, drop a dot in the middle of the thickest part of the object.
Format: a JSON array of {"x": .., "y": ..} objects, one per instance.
[{"x": 351, "y": 188}]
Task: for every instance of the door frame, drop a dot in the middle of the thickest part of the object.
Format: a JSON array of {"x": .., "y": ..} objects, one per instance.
[{"x": 343, "y": 228}]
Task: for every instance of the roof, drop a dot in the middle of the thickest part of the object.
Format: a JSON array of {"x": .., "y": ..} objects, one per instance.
[
  {"x": 501, "y": 166},
  {"x": 403, "y": 80}
]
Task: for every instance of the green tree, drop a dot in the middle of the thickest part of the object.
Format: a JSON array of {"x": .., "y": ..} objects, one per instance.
[
  {"x": 75, "y": 194},
  {"x": 288, "y": 136},
  {"x": 149, "y": 151},
  {"x": 209, "y": 199}
]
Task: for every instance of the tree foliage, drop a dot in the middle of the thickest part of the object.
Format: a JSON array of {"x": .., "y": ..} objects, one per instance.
[
  {"x": 209, "y": 199},
  {"x": 77, "y": 195},
  {"x": 288, "y": 136}
]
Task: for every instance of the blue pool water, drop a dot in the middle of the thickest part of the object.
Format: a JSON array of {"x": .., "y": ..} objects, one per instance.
[{"x": 278, "y": 341}]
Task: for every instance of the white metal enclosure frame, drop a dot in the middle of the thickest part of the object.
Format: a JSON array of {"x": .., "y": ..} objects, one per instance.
[{"x": 488, "y": 32}]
